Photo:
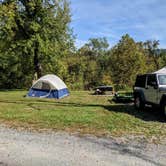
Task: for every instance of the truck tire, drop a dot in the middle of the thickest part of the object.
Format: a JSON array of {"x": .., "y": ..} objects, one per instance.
[
  {"x": 139, "y": 104},
  {"x": 163, "y": 109}
]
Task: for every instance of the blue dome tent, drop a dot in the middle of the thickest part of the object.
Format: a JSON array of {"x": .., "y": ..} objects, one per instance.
[{"x": 49, "y": 86}]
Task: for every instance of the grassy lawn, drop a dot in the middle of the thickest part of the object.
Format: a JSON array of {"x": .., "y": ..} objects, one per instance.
[{"x": 80, "y": 112}]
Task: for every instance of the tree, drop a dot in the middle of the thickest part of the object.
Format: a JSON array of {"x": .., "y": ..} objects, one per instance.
[
  {"x": 127, "y": 60},
  {"x": 98, "y": 44},
  {"x": 153, "y": 52},
  {"x": 95, "y": 47},
  {"x": 163, "y": 58},
  {"x": 35, "y": 31},
  {"x": 95, "y": 60}
]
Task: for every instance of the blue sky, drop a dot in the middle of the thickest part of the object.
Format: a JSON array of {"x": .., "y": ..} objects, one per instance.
[{"x": 141, "y": 19}]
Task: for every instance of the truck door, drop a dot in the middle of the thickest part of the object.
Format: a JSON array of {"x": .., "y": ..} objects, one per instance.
[{"x": 151, "y": 88}]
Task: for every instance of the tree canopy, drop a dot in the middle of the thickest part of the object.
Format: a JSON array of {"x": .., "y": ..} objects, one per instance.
[
  {"x": 127, "y": 60},
  {"x": 33, "y": 33},
  {"x": 36, "y": 38}
]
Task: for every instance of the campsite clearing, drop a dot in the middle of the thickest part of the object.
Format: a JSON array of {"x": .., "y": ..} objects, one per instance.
[{"x": 80, "y": 112}]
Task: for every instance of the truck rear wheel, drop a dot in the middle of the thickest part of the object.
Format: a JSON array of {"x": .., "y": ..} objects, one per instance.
[
  {"x": 163, "y": 108},
  {"x": 139, "y": 104}
]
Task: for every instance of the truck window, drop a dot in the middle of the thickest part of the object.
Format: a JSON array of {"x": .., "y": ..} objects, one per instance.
[
  {"x": 162, "y": 79},
  {"x": 152, "y": 80},
  {"x": 140, "y": 81}
]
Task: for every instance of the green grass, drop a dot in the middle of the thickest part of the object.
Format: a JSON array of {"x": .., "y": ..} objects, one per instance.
[{"x": 80, "y": 112}]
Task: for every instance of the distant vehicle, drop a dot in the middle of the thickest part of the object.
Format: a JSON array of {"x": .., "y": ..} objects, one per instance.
[
  {"x": 104, "y": 90},
  {"x": 151, "y": 89},
  {"x": 123, "y": 97}
]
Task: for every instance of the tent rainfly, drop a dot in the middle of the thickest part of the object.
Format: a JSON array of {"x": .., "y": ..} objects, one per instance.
[{"x": 49, "y": 86}]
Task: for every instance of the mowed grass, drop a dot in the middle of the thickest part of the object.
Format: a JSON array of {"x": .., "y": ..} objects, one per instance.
[{"x": 80, "y": 112}]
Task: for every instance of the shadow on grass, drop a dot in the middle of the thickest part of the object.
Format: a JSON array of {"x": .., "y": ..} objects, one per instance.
[
  {"x": 56, "y": 103},
  {"x": 148, "y": 114}
]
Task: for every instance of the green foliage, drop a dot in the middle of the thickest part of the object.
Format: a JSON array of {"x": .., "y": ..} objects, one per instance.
[
  {"x": 127, "y": 60},
  {"x": 153, "y": 53},
  {"x": 35, "y": 33},
  {"x": 98, "y": 44},
  {"x": 162, "y": 59},
  {"x": 94, "y": 55},
  {"x": 36, "y": 39},
  {"x": 95, "y": 47}
]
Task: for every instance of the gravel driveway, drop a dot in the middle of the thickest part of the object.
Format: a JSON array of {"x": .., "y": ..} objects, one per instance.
[{"x": 22, "y": 148}]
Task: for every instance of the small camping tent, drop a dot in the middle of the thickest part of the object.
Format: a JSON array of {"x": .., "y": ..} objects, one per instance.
[{"x": 49, "y": 86}]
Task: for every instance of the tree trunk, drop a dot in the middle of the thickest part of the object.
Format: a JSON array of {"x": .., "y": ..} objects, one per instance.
[{"x": 37, "y": 65}]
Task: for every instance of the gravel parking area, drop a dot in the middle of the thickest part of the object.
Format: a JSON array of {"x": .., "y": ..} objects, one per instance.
[{"x": 22, "y": 148}]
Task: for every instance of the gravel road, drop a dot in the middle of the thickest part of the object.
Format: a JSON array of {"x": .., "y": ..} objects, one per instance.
[{"x": 22, "y": 148}]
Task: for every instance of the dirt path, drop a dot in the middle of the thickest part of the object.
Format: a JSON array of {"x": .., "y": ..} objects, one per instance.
[{"x": 21, "y": 148}]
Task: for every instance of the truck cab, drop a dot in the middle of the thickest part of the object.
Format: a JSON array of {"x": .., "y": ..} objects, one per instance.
[{"x": 150, "y": 89}]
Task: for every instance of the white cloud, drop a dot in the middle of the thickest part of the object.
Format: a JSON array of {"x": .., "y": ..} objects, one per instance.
[{"x": 142, "y": 19}]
